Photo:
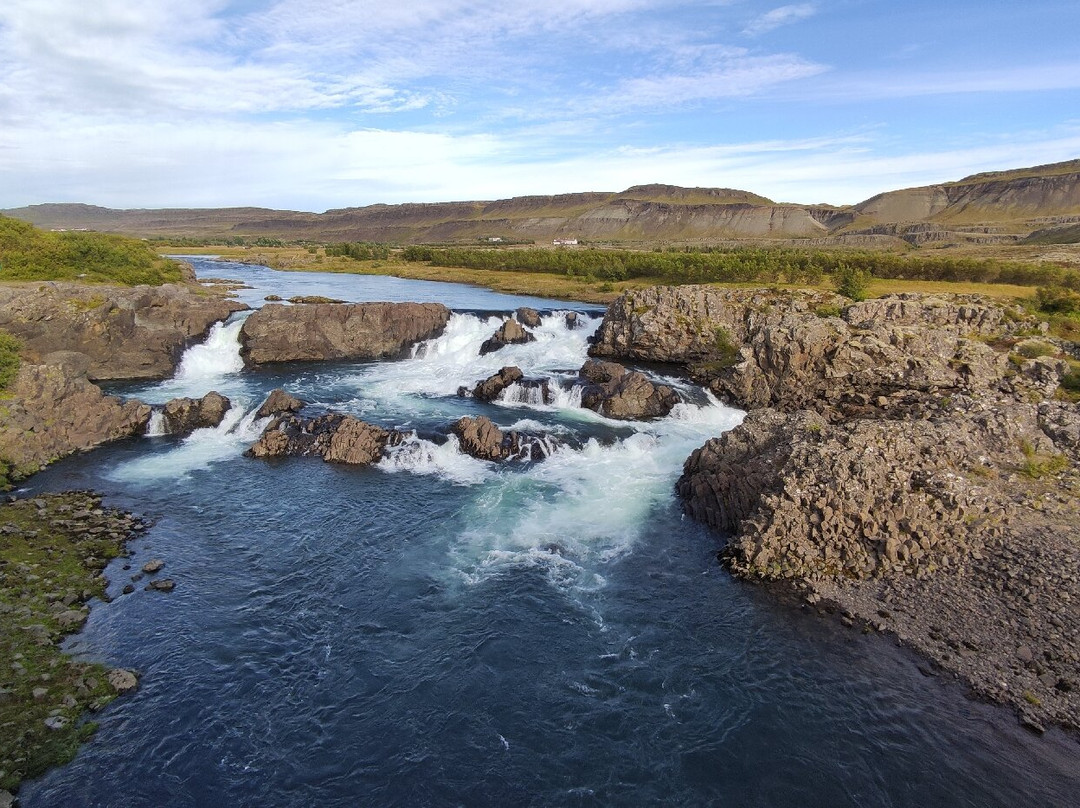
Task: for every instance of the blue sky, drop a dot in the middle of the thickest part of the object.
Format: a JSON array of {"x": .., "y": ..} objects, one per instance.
[{"x": 316, "y": 104}]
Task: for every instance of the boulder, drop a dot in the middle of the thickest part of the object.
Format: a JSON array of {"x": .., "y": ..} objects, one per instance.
[
  {"x": 615, "y": 392},
  {"x": 122, "y": 681},
  {"x": 572, "y": 320},
  {"x": 278, "y": 402},
  {"x": 335, "y": 437},
  {"x": 528, "y": 317},
  {"x": 509, "y": 333},
  {"x": 125, "y": 332},
  {"x": 482, "y": 439},
  {"x": 490, "y": 388},
  {"x": 332, "y": 331},
  {"x": 184, "y": 415}
]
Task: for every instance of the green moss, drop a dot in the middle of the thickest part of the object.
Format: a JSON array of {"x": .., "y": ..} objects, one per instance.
[
  {"x": 827, "y": 311},
  {"x": 1038, "y": 466},
  {"x": 1032, "y": 349},
  {"x": 9, "y": 359},
  {"x": 50, "y": 565}
]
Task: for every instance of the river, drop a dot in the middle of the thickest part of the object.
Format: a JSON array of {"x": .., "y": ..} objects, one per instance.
[{"x": 436, "y": 630}]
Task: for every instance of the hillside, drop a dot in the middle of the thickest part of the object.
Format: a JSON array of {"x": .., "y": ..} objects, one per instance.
[{"x": 990, "y": 208}]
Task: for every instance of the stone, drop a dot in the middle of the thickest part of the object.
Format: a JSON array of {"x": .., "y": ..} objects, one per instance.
[
  {"x": 162, "y": 585},
  {"x": 490, "y": 388},
  {"x": 279, "y": 402},
  {"x": 482, "y": 439},
  {"x": 528, "y": 317},
  {"x": 40, "y": 693},
  {"x": 338, "y": 331},
  {"x": 152, "y": 566},
  {"x": 615, "y": 392},
  {"x": 334, "y": 437},
  {"x": 56, "y": 722},
  {"x": 121, "y": 680},
  {"x": 509, "y": 333}
]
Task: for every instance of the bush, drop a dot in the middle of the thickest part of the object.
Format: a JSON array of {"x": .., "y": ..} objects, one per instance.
[
  {"x": 1057, "y": 300},
  {"x": 9, "y": 359},
  {"x": 851, "y": 281}
]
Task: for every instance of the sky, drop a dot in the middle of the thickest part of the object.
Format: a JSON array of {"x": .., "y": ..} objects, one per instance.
[{"x": 317, "y": 104}]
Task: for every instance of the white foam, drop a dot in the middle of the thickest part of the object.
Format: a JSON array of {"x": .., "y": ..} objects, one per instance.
[
  {"x": 217, "y": 355},
  {"x": 156, "y": 426},
  {"x": 446, "y": 461}
]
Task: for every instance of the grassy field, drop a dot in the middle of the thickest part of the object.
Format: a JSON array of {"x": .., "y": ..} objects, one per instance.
[{"x": 556, "y": 286}]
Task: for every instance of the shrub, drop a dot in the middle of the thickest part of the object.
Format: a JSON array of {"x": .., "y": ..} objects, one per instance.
[
  {"x": 851, "y": 281},
  {"x": 1057, "y": 300},
  {"x": 9, "y": 359}
]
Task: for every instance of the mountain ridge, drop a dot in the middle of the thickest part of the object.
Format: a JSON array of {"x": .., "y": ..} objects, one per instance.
[{"x": 991, "y": 207}]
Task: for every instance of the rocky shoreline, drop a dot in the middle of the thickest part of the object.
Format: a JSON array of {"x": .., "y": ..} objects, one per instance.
[{"x": 904, "y": 464}]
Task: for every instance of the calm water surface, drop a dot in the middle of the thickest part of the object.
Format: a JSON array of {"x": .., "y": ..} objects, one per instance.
[{"x": 440, "y": 631}]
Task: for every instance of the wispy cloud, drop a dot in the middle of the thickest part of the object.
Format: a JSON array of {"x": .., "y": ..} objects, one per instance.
[{"x": 777, "y": 17}]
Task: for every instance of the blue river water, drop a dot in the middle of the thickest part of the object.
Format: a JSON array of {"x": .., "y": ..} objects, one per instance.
[{"x": 438, "y": 631}]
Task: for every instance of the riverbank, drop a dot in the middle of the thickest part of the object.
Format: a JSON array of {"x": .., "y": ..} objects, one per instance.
[{"x": 53, "y": 550}]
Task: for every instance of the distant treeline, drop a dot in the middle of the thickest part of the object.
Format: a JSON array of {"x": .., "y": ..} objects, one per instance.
[
  {"x": 223, "y": 241},
  {"x": 744, "y": 265},
  {"x": 360, "y": 250},
  {"x": 30, "y": 254}
]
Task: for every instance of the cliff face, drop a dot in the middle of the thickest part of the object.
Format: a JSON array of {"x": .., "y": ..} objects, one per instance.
[{"x": 1019, "y": 201}]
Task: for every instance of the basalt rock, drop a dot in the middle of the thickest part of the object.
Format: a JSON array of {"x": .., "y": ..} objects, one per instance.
[
  {"x": 615, "y": 392},
  {"x": 482, "y": 439},
  {"x": 183, "y": 415},
  {"x": 279, "y": 402},
  {"x": 528, "y": 317},
  {"x": 331, "y": 331},
  {"x": 53, "y": 410},
  {"x": 126, "y": 333},
  {"x": 509, "y": 333},
  {"x": 335, "y": 437},
  {"x": 491, "y": 387}
]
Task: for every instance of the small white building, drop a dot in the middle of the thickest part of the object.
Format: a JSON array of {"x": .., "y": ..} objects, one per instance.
[{"x": 565, "y": 242}]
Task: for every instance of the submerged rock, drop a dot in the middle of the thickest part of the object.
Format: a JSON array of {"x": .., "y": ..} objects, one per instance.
[
  {"x": 184, "y": 415},
  {"x": 331, "y": 331},
  {"x": 509, "y": 333},
  {"x": 615, "y": 392}
]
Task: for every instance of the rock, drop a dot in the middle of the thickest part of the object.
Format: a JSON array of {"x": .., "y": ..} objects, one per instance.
[
  {"x": 528, "y": 317},
  {"x": 614, "y": 392},
  {"x": 162, "y": 585},
  {"x": 272, "y": 298},
  {"x": 330, "y": 331},
  {"x": 490, "y": 388},
  {"x": 572, "y": 320},
  {"x": 121, "y": 680},
  {"x": 70, "y": 619},
  {"x": 152, "y": 566},
  {"x": 123, "y": 332},
  {"x": 56, "y": 722},
  {"x": 51, "y": 413},
  {"x": 278, "y": 402},
  {"x": 7, "y": 799},
  {"x": 509, "y": 333},
  {"x": 482, "y": 439},
  {"x": 334, "y": 437},
  {"x": 40, "y": 693},
  {"x": 312, "y": 299},
  {"x": 184, "y": 415}
]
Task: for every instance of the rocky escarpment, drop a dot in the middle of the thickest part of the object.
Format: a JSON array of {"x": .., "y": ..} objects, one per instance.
[
  {"x": 126, "y": 333},
  {"x": 53, "y": 410},
  {"x": 349, "y": 331},
  {"x": 902, "y": 463}
]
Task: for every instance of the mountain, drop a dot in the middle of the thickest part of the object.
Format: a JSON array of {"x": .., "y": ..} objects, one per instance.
[{"x": 1042, "y": 202}]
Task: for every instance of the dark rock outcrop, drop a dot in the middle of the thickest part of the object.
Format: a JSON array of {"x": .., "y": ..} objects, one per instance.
[
  {"x": 615, "y": 392},
  {"x": 126, "y": 333},
  {"x": 491, "y": 387},
  {"x": 509, "y": 333},
  {"x": 348, "y": 331},
  {"x": 335, "y": 437},
  {"x": 528, "y": 317},
  {"x": 482, "y": 439},
  {"x": 183, "y": 415},
  {"x": 279, "y": 402},
  {"x": 52, "y": 410}
]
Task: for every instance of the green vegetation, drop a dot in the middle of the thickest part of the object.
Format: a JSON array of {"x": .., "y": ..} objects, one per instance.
[
  {"x": 9, "y": 360},
  {"x": 1036, "y": 466},
  {"x": 359, "y": 250},
  {"x": 744, "y": 265},
  {"x": 1032, "y": 349},
  {"x": 29, "y": 254},
  {"x": 851, "y": 282},
  {"x": 828, "y": 311},
  {"x": 50, "y": 562}
]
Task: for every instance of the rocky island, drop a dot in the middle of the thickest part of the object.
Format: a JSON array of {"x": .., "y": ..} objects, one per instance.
[{"x": 909, "y": 463}]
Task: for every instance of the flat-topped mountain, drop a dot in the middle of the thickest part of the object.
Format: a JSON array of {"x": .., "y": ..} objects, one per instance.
[{"x": 995, "y": 207}]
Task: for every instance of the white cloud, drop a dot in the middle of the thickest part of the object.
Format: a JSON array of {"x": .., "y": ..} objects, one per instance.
[{"x": 784, "y": 15}]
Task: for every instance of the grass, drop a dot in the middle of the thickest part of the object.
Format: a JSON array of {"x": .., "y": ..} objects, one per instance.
[
  {"x": 30, "y": 254},
  {"x": 9, "y": 360},
  {"x": 1037, "y": 466},
  {"x": 49, "y": 567}
]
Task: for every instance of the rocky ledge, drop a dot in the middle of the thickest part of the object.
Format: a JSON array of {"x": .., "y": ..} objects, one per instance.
[
  {"x": 126, "y": 333},
  {"x": 903, "y": 465},
  {"x": 338, "y": 331}
]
